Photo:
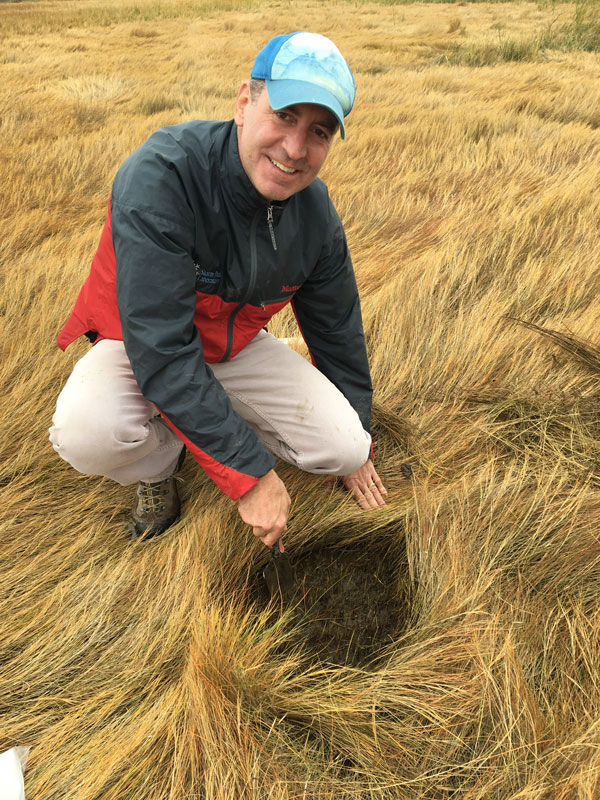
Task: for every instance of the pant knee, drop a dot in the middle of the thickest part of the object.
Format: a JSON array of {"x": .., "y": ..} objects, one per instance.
[
  {"x": 123, "y": 450},
  {"x": 353, "y": 453},
  {"x": 340, "y": 455},
  {"x": 357, "y": 456},
  {"x": 85, "y": 444}
]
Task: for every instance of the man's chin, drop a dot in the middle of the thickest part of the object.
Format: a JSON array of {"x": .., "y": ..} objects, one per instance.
[
  {"x": 279, "y": 197},
  {"x": 279, "y": 193},
  {"x": 281, "y": 188}
]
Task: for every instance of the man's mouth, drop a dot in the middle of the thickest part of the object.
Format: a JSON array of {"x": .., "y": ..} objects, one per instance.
[{"x": 282, "y": 167}]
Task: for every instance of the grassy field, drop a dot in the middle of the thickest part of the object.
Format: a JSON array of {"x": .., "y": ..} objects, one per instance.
[{"x": 468, "y": 185}]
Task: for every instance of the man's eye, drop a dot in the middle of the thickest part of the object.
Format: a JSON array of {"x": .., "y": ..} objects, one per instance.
[
  {"x": 282, "y": 115},
  {"x": 321, "y": 133}
]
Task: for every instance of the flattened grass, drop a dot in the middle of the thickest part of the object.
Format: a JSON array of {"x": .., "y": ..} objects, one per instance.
[{"x": 469, "y": 195}]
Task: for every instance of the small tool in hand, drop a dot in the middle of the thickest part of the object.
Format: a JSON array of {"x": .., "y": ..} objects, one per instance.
[{"x": 278, "y": 573}]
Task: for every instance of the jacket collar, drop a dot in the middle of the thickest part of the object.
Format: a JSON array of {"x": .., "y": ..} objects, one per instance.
[{"x": 237, "y": 185}]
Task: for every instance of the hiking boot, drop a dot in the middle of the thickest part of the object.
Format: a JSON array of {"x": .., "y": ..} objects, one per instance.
[{"x": 156, "y": 506}]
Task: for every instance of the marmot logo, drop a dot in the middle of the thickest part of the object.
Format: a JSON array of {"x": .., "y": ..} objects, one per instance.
[{"x": 287, "y": 288}]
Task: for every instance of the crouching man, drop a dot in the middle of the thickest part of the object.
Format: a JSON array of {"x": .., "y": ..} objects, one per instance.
[{"x": 212, "y": 228}]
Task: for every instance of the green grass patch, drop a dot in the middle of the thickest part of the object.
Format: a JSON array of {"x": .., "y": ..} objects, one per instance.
[
  {"x": 581, "y": 33},
  {"x": 483, "y": 55}
]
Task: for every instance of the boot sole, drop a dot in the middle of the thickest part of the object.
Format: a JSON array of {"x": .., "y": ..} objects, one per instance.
[{"x": 145, "y": 532}]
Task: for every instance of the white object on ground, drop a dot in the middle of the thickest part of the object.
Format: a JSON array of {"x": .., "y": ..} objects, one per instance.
[{"x": 12, "y": 766}]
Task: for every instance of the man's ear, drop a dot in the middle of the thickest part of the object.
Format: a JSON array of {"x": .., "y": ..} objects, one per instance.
[{"x": 241, "y": 103}]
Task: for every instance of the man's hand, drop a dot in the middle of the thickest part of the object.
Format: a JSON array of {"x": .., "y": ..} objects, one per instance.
[
  {"x": 266, "y": 507},
  {"x": 366, "y": 486}
]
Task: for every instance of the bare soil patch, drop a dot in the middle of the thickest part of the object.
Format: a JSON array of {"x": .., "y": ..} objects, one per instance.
[{"x": 349, "y": 604}]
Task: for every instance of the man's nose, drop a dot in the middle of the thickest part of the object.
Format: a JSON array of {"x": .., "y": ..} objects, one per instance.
[{"x": 295, "y": 144}]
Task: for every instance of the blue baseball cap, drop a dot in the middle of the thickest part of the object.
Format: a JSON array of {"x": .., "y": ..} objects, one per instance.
[{"x": 306, "y": 67}]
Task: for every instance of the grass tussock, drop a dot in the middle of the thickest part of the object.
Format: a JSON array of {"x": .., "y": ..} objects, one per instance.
[{"x": 469, "y": 195}]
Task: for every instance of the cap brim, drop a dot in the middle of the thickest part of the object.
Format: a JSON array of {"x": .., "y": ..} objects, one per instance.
[{"x": 283, "y": 93}]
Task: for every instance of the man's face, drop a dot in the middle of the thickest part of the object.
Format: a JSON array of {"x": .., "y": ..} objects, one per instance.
[{"x": 281, "y": 151}]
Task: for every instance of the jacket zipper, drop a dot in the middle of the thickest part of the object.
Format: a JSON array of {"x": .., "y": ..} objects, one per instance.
[{"x": 270, "y": 224}]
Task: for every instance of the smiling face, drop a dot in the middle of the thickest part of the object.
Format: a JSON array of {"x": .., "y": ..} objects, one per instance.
[{"x": 281, "y": 151}]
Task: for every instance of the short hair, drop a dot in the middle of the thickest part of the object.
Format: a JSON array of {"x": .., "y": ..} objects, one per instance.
[{"x": 256, "y": 87}]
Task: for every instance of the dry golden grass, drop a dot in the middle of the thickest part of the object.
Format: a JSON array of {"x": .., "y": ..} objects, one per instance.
[{"x": 470, "y": 197}]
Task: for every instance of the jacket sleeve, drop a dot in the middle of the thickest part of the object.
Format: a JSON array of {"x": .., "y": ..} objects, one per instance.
[
  {"x": 153, "y": 232},
  {"x": 327, "y": 308}
]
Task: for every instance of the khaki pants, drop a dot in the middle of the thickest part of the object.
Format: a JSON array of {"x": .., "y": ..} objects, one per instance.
[{"x": 104, "y": 426}]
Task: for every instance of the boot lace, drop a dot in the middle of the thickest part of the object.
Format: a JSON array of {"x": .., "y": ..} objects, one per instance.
[{"x": 152, "y": 494}]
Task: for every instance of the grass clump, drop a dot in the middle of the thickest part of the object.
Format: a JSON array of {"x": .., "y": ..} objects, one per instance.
[
  {"x": 155, "y": 103},
  {"x": 505, "y": 49}
]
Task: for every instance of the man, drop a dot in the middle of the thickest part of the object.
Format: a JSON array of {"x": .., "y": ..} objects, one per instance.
[{"x": 212, "y": 228}]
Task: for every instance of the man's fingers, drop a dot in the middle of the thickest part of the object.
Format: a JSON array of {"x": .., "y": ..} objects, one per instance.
[
  {"x": 360, "y": 498},
  {"x": 368, "y": 498},
  {"x": 373, "y": 497},
  {"x": 379, "y": 484},
  {"x": 265, "y": 508},
  {"x": 375, "y": 480},
  {"x": 377, "y": 496},
  {"x": 269, "y": 537},
  {"x": 366, "y": 486}
]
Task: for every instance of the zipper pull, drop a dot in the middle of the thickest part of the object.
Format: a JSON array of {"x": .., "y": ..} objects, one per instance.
[{"x": 270, "y": 223}]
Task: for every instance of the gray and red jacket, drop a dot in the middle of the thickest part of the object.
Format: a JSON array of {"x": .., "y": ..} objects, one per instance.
[{"x": 192, "y": 263}]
